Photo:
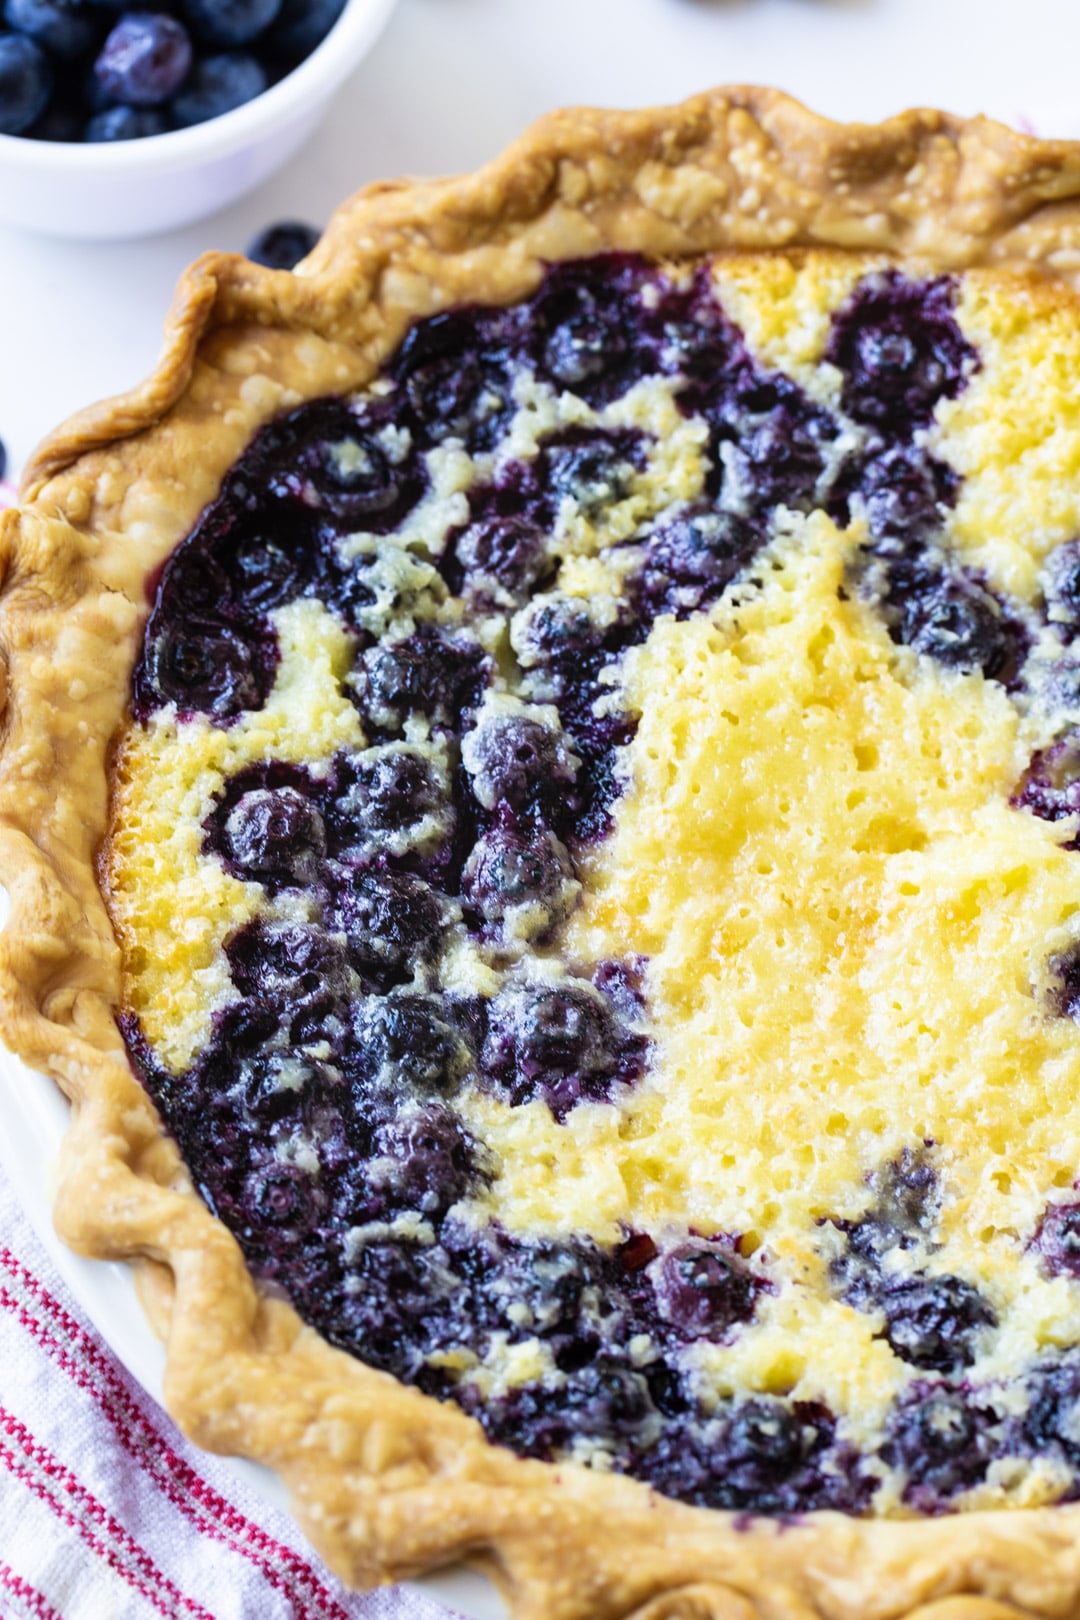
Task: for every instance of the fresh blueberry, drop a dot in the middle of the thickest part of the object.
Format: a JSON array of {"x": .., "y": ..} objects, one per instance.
[
  {"x": 125, "y": 124},
  {"x": 230, "y": 22},
  {"x": 145, "y": 59},
  {"x": 517, "y": 760},
  {"x": 276, "y": 834},
  {"x": 61, "y": 26},
  {"x": 218, "y": 85},
  {"x": 702, "y": 1289},
  {"x": 302, "y": 25},
  {"x": 58, "y": 123},
  {"x": 900, "y": 350},
  {"x": 934, "y": 1322},
  {"x": 26, "y": 83},
  {"x": 282, "y": 246},
  {"x": 393, "y": 922}
]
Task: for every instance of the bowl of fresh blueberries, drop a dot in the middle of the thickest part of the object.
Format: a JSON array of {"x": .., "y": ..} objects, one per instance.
[{"x": 125, "y": 117}]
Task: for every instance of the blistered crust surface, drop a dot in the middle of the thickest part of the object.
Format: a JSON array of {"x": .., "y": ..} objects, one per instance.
[{"x": 387, "y": 1482}]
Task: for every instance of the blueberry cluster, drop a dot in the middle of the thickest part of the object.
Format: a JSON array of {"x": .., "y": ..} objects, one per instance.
[
  {"x": 321, "y": 1119},
  {"x": 110, "y": 70}
]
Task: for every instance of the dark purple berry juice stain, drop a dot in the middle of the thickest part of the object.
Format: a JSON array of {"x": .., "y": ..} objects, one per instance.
[{"x": 323, "y": 1111}]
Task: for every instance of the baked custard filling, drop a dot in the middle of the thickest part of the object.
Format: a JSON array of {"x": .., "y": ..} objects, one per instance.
[{"x": 595, "y": 859}]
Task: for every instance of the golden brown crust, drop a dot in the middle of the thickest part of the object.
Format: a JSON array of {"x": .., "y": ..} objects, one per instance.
[{"x": 386, "y": 1481}]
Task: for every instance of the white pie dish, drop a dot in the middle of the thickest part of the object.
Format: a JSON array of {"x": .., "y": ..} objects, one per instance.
[
  {"x": 33, "y": 1118},
  {"x": 137, "y": 188}
]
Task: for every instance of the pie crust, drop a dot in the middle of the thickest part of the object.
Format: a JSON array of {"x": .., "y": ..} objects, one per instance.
[{"x": 386, "y": 1481}]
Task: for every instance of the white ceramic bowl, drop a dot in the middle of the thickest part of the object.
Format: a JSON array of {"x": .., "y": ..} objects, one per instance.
[{"x": 134, "y": 188}]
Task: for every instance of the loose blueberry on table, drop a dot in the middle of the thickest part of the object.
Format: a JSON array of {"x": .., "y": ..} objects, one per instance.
[
  {"x": 334, "y": 1116},
  {"x": 110, "y": 70}
]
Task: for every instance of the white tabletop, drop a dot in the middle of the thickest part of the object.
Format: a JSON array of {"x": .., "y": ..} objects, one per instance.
[{"x": 452, "y": 80}]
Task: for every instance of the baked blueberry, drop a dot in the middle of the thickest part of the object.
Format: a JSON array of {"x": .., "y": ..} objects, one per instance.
[
  {"x": 437, "y": 676},
  {"x": 934, "y": 1322},
  {"x": 1058, "y": 1239},
  {"x": 519, "y": 880},
  {"x": 275, "y": 833},
  {"x": 392, "y": 921},
  {"x": 514, "y": 758},
  {"x": 900, "y": 350},
  {"x": 405, "y": 1044},
  {"x": 204, "y": 668},
  {"x": 703, "y": 1289},
  {"x": 942, "y": 1441}
]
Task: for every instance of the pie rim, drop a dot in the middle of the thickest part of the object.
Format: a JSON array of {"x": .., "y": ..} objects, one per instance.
[{"x": 366, "y": 1459}]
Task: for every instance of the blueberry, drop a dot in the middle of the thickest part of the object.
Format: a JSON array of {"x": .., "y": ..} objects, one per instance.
[
  {"x": 393, "y": 922},
  {"x": 429, "y": 673},
  {"x": 424, "y": 1158},
  {"x": 277, "y": 834},
  {"x": 58, "y": 123},
  {"x": 905, "y": 492},
  {"x": 587, "y": 326},
  {"x": 287, "y": 964},
  {"x": 606, "y": 1399},
  {"x": 26, "y": 83},
  {"x": 690, "y": 561},
  {"x": 282, "y": 246},
  {"x": 558, "y": 1043},
  {"x": 218, "y": 85},
  {"x": 125, "y": 124},
  {"x": 277, "y": 1196},
  {"x": 145, "y": 59},
  {"x": 327, "y": 457},
  {"x": 934, "y": 1322},
  {"x": 61, "y": 26},
  {"x": 203, "y": 668},
  {"x": 523, "y": 879},
  {"x": 393, "y": 797},
  {"x": 702, "y": 1289},
  {"x": 230, "y": 22},
  {"x": 1058, "y": 1240},
  {"x": 1050, "y": 789},
  {"x": 1062, "y": 584},
  {"x": 516, "y": 760},
  {"x": 900, "y": 350},
  {"x": 454, "y": 372},
  {"x": 263, "y": 569},
  {"x": 589, "y": 466},
  {"x": 1051, "y": 1426},
  {"x": 942, "y": 1443},
  {"x": 503, "y": 558},
  {"x": 951, "y": 618},
  {"x": 777, "y": 452},
  {"x": 303, "y": 24},
  {"x": 906, "y": 1203},
  {"x": 406, "y": 1044}
]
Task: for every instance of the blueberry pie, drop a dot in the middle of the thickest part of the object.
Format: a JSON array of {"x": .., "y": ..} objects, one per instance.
[{"x": 541, "y": 799}]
